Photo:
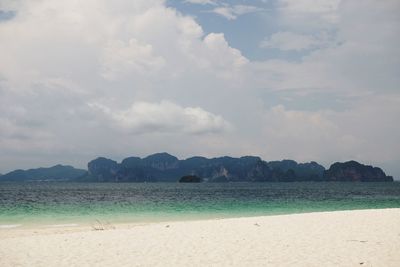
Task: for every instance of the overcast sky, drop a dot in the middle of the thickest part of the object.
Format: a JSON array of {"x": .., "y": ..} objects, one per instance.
[{"x": 300, "y": 79}]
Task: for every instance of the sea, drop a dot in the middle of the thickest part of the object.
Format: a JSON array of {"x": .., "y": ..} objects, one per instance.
[{"x": 60, "y": 204}]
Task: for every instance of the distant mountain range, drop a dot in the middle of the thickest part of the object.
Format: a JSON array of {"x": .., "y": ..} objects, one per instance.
[
  {"x": 163, "y": 167},
  {"x": 55, "y": 173}
]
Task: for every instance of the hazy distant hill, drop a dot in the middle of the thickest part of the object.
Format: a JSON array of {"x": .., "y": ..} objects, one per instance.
[
  {"x": 163, "y": 167},
  {"x": 303, "y": 171},
  {"x": 352, "y": 171},
  {"x": 55, "y": 173}
]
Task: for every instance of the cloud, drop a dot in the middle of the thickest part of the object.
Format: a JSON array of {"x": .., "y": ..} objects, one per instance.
[
  {"x": 353, "y": 133},
  {"x": 126, "y": 58},
  {"x": 122, "y": 58},
  {"x": 163, "y": 117},
  {"x": 307, "y": 16},
  {"x": 233, "y": 12},
  {"x": 223, "y": 54},
  {"x": 325, "y": 10},
  {"x": 287, "y": 41},
  {"x": 351, "y": 58},
  {"x": 127, "y": 41},
  {"x": 114, "y": 53},
  {"x": 295, "y": 131},
  {"x": 202, "y": 2},
  {"x": 310, "y": 6}
]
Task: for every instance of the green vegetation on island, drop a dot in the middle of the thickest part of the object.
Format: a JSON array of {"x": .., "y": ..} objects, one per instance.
[
  {"x": 55, "y": 173},
  {"x": 163, "y": 167}
]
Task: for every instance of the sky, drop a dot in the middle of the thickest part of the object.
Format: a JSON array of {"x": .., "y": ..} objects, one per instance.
[{"x": 299, "y": 79}]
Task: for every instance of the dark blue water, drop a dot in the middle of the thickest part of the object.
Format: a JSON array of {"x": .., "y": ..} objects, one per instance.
[{"x": 37, "y": 203}]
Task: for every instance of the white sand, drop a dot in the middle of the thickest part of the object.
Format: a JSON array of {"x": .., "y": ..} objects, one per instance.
[{"x": 348, "y": 238}]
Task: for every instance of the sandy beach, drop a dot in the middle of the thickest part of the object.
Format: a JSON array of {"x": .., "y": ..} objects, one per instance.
[{"x": 343, "y": 238}]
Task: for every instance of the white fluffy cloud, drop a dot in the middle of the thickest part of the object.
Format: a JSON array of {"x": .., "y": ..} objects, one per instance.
[
  {"x": 123, "y": 58},
  {"x": 336, "y": 135},
  {"x": 83, "y": 79},
  {"x": 164, "y": 117},
  {"x": 58, "y": 57},
  {"x": 234, "y": 11},
  {"x": 353, "y": 59},
  {"x": 201, "y": 2},
  {"x": 222, "y": 54},
  {"x": 322, "y": 9},
  {"x": 99, "y": 37},
  {"x": 310, "y": 6},
  {"x": 290, "y": 41}
]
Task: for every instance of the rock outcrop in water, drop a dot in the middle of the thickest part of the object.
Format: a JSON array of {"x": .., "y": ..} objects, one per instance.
[
  {"x": 55, "y": 173},
  {"x": 352, "y": 171},
  {"x": 190, "y": 179}
]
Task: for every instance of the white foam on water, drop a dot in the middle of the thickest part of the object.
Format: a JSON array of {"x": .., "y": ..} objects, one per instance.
[{"x": 9, "y": 226}]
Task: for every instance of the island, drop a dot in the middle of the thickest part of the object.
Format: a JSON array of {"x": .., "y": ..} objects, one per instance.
[
  {"x": 190, "y": 179},
  {"x": 163, "y": 167}
]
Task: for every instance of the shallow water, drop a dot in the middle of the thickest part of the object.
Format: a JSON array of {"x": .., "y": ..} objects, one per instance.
[{"x": 80, "y": 203}]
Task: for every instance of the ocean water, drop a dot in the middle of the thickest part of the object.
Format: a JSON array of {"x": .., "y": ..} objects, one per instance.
[{"x": 23, "y": 204}]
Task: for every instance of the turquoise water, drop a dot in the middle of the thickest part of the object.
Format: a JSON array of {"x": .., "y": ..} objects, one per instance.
[{"x": 63, "y": 203}]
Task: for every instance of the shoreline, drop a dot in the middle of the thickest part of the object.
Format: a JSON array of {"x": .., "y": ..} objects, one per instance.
[
  {"x": 346, "y": 238},
  {"x": 89, "y": 223}
]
